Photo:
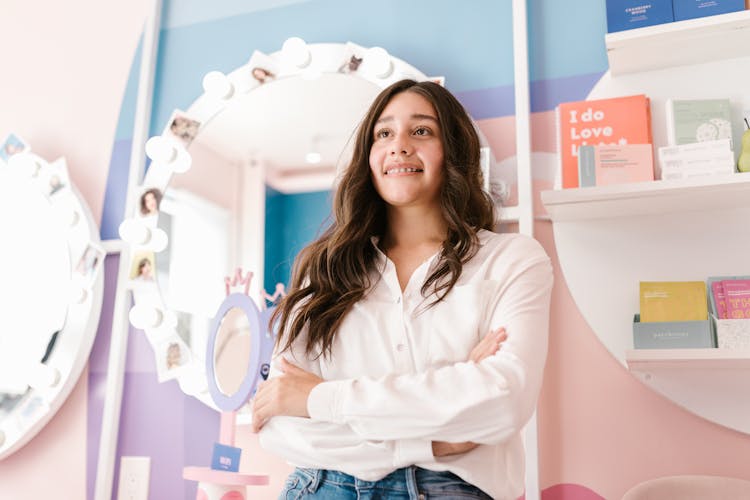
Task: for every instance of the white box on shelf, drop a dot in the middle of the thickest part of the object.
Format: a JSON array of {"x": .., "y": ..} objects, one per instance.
[
  {"x": 733, "y": 334},
  {"x": 696, "y": 159}
]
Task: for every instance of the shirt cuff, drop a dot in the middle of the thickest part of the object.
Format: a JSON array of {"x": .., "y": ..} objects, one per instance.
[
  {"x": 324, "y": 402},
  {"x": 412, "y": 451}
]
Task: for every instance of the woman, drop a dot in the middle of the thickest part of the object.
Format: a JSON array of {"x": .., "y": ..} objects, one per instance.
[{"x": 389, "y": 380}]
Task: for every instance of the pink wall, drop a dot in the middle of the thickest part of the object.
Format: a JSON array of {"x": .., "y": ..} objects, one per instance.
[
  {"x": 64, "y": 74},
  {"x": 55, "y": 459},
  {"x": 599, "y": 426}
]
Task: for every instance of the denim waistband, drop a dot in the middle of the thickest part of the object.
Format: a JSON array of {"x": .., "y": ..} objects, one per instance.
[{"x": 410, "y": 481}]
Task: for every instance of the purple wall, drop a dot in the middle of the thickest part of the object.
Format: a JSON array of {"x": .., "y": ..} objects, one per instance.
[{"x": 156, "y": 420}]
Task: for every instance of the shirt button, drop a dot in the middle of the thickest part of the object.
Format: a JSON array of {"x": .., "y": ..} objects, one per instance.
[
  {"x": 398, "y": 300},
  {"x": 400, "y": 347}
]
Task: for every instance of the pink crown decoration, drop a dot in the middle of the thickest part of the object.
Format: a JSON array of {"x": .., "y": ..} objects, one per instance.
[
  {"x": 243, "y": 280},
  {"x": 239, "y": 279}
]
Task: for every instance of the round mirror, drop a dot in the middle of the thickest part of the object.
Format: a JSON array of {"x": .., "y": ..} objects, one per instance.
[
  {"x": 53, "y": 265},
  {"x": 232, "y": 351},
  {"x": 233, "y": 376},
  {"x": 281, "y": 124}
]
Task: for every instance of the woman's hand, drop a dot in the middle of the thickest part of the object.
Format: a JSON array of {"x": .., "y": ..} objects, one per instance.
[
  {"x": 486, "y": 347},
  {"x": 283, "y": 395}
]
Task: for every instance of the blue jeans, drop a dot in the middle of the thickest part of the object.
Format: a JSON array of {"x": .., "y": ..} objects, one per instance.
[{"x": 410, "y": 483}]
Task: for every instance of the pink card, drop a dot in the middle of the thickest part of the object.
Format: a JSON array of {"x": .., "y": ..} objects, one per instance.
[{"x": 737, "y": 298}]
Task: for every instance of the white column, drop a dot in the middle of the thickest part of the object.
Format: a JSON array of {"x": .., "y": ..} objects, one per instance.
[
  {"x": 120, "y": 326},
  {"x": 525, "y": 198},
  {"x": 252, "y": 217}
]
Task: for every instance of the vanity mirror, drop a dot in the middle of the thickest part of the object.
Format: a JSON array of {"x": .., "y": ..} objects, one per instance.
[
  {"x": 52, "y": 287},
  {"x": 282, "y": 121}
]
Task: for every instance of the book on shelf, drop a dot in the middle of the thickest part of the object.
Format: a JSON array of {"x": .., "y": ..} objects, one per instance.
[
  {"x": 737, "y": 298},
  {"x": 691, "y": 9},
  {"x": 698, "y": 120},
  {"x": 736, "y": 294},
  {"x": 717, "y": 301},
  {"x": 605, "y": 165},
  {"x": 613, "y": 121},
  {"x": 673, "y": 301},
  {"x": 629, "y": 14}
]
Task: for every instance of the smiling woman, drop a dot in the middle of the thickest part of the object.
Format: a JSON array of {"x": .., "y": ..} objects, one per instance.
[
  {"x": 389, "y": 355},
  {"x": 241, "y": 141}
]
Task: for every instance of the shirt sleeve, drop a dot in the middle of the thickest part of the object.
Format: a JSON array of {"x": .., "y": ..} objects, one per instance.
[
  {"x": 485, "y": 402},
  {"x": 317, "y": 444}
]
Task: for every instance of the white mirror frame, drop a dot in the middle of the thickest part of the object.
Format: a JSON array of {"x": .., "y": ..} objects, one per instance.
[
  {"x": 74, "y": 341},
  {"x": 150, "y": 311}
]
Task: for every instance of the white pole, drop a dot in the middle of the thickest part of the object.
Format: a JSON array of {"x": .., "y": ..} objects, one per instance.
[
  {"x": 523, "y": 117},
  {"x": 120, "y": 326},
  {"x": 253, "y": 217},
  {"x": 525, "y": 199}
]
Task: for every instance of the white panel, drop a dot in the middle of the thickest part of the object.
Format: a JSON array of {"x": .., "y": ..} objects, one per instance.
[{"x": 610, "y": 238}]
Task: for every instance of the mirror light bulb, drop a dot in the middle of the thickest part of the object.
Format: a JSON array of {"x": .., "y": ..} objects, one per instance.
[
  {"x": 134, "y": 232},
  {"x": 144, "y": 316},
  {"x": 77, "y": 292},
  {"x": 378, "y": 61},
  {"x": 169, "y": 320},
  {"x": 65, "y": 212},
  {"x": 25, "y": 163},
  {"x": 193, "y": 381},
  {"x": 183, "y": 162},
  {"x": 42, "y": 376},
  {"x": 158, "y": 239},
  {"x": 295, "y": 51},
  {"x": 217, "y": 85},
  {"x": 160, "y": 149}
]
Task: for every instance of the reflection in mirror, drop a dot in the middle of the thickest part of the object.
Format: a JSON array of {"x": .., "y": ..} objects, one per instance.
[
  {"x": 232, "y": 351},
  {"x": 53, "y": 280},
  {"x": 287, "y": 130}
]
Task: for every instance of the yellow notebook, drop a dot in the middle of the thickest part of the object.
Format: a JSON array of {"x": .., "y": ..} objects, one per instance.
[{"x": 673, "y": 301}]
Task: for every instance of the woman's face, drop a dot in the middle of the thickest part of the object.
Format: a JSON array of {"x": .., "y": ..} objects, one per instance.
[
  {"x": 149, "y": 200},
  {"x": 146, "y": 269},
  {"x": 407, "y": 158}
]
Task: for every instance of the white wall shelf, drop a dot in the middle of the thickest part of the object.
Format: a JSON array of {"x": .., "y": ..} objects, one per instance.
[
  {"x": 608, "y": 238},
  {"x": 711, "y": 383},
  {"x": 647, "y": 360},
  {"x": 692, "y": 41},
  {"x": 648, "y": 198}
]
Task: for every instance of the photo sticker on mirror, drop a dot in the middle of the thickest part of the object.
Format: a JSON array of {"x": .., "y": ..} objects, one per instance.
[
  {"x": 172, "y": 354},
  {"x": 263, "y": 68},
  {"x": 149, "y": 203},
  {"x": 440, "y": 80},
  {"x": 89, "y": 263},
  {"x": 56, "y": 178},
  {"x": 351, "y": 63},
  {"x": 143, "y": 269},
  {"x": 182, "y": 128},
  {"x": 12, "y": 145}
]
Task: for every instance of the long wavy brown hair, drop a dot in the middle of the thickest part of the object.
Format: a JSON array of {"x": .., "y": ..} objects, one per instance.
[{"x": 333, "y": 273}]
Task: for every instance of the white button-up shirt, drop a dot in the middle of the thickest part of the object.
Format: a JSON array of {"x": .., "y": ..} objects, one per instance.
[{"x": 398, "y": 376}]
